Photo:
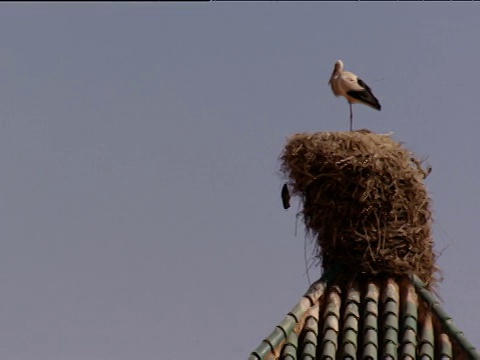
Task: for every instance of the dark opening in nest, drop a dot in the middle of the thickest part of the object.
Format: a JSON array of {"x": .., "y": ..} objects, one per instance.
[{"x": 364, "y": 201}]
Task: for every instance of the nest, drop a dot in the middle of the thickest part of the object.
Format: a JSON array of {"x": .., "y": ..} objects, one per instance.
[{"x": 364, "y": 202}]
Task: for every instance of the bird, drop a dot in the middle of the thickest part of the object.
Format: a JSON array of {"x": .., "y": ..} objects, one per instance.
[
  {"x": 285, "y": 196},
  {"x": 350, "y": 86}
]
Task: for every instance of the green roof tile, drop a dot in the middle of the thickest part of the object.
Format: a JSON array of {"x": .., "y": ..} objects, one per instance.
[
  {"x": 445, "y": 346},
  {"x": 275, "y": 337},
  {"x": 300, "y": 309},
  {"x": 350, "y": 324},
  {"x": 446, "y": 320},
  {"x": 390, "y": 300},
  {"x": 261, "y": 352},
  {"x": 310, "y": 331},
  {"x": 374, "y": 318},
  {"x": 329, "y": 351},
  {"x": 309, "y": 344},
  {"x": 427, "y": 341},
  {"x": 331, "y": 336},
  {"x": 331, "y": 324},
  {"x": 409, "y": 327},
  {"x": 289, "y": 351},
  {"x": 370, "y": 322},
  {"x": 312, "y": 324},
  {"x": 313, "y": 294},
  {"x": 288, "y": 324},
  {"x": 349, "y": 351}
]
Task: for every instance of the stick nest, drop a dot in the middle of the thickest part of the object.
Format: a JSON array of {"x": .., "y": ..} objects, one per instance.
[{"x": 364, "y": 201}]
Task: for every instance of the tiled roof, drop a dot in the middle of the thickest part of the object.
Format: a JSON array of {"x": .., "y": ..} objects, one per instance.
[{"x": 369, "y": 318}]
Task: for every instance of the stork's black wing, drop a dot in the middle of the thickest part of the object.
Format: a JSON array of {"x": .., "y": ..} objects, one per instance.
[{"x": 366, "y": 96}]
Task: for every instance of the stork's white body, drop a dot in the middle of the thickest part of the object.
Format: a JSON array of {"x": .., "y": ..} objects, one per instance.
[{"x": 348, "y": 85}]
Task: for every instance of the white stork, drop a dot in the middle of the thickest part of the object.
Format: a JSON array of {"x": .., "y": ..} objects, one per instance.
[{"x": 347, "y": 84}]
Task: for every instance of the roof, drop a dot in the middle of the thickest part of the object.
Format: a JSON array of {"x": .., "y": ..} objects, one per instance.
[{"x": 369, "y": 318}]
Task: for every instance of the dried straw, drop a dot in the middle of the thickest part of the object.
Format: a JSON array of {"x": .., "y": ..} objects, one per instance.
[{"x": 364, "y": 201}]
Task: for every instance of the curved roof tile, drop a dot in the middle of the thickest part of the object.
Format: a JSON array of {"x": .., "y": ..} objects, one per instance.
[{"x": 369, "y": 318}]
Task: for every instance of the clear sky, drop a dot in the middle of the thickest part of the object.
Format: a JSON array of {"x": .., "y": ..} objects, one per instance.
[{"x": 140, "y": 212}]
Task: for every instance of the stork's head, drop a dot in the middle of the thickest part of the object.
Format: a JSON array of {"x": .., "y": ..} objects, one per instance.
[{"x": 336, "y": 70}]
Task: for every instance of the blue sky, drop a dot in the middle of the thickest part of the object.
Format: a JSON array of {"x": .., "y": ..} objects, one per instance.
[{"x": 140, "y": 214}]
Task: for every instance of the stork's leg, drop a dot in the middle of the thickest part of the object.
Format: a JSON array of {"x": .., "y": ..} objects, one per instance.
[{"x": 351, "y": 117}]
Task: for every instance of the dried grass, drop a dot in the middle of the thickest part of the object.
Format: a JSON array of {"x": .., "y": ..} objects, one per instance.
[{"x": 364, "y": 201}]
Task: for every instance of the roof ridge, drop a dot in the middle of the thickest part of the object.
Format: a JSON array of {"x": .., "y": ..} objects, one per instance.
[
  {"x": 430, "y": 298},
  {"x": 314, "y": 292},
  {"x": 300, "y": 330}
]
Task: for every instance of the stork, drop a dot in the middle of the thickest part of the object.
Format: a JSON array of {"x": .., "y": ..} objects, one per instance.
[{"x": 350, "y": 86}]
